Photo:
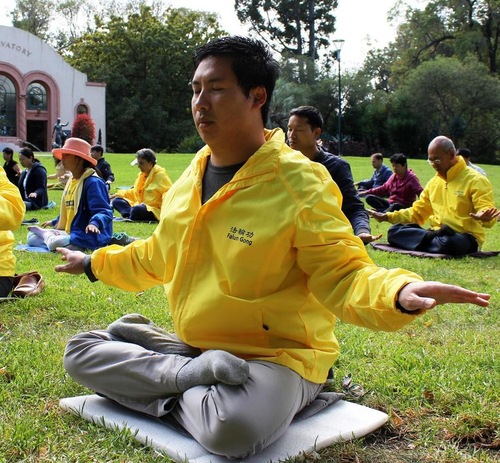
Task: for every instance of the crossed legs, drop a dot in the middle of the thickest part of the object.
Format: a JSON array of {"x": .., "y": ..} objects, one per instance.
[{"x": 231, "y": 407}]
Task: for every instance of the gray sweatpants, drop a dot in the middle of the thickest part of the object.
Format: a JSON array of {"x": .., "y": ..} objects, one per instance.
[{"x": 233, "y": 421}]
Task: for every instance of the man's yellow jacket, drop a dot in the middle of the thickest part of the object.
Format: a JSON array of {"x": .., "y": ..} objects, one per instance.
[
  {"x": 450, "y": 200},
  {"x": 263, "y": 268}
]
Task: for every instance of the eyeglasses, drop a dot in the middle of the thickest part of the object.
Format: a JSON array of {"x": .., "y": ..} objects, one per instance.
[{"x": 433, "y": 162}]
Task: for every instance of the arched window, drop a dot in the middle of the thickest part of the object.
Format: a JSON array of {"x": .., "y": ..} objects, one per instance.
[
  {"x": 36, "y": 96},
  {"x": 82, "y": 109},
  {"x": 7, "y": 107}
]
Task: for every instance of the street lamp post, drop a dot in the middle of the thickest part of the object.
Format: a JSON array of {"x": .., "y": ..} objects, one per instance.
[{"x": 338, "y": 44}]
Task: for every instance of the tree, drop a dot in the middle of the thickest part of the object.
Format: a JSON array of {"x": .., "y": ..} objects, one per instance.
[
  {"x": 145, "y": 58},
  {"x": 449, "y": 28},
  {"x": 296, "y": 29},
  {"x": 84, "y": 128},
  {"x": 33, "y": 16},
  {"x": 447, "y": 97}
]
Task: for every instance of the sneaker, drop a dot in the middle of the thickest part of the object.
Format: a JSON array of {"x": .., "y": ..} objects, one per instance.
[
  {"x": 122, "y": 239},
  {"x": 32, "y": 221}
]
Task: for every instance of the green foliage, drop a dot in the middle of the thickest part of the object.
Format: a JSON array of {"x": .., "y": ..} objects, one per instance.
[
  {"x": 145, "y": 60},
  {"x": 33, "y": 16},
  {"x": 437, "y": 378},
  {"x": 450, "y": 28},
  {"x": 84, "y": 128},
  {"x": 446, "y": 96},
  {"x": 296, "y": 29},
  {"x": 190, "y": 144}
]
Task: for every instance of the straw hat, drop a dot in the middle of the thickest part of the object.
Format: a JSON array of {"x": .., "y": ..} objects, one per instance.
[{"x": 76, "y": 147}]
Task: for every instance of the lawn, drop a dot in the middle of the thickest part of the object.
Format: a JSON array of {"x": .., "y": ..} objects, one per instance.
[{"x": 437, "y": 378}]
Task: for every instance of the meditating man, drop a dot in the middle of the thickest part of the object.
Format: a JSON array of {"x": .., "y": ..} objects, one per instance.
[
  {"x": 402, "y": 188},
  {"x": 257, "y": 260},
  {"x": 381, "y": 173},
  {"x": 304, "y": 129},
  {"x": 458, "y": 202}
]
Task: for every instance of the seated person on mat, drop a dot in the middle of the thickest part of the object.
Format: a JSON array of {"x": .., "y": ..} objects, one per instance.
[
  {"x": 12, "y": 211},
  {"x": 103, "y": 166},
  {"x": 85, "y": 220},
  {"x": 143, "y": 201},
  {"x": 62, "y": 175},
  {"x": 458, "y": 202},
  {"x": 33, "y": 181},
  {"x": 10, "y": 166},
  {"x": 381, "y": 173},
  {"x": 402, "y": 188},
  {"x": 257, "y": 260},
  {"x": 304, "y": 129}
]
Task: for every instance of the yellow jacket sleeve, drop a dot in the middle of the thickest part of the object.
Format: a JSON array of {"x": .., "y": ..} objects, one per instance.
[{"x": 12, "y": 211}]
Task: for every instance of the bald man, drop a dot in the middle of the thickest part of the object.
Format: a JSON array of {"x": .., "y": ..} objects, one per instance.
[{"x": 458, "y": 203}]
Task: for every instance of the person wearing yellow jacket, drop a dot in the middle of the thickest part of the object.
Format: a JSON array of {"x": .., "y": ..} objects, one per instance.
[
  {"x": 257, "y": 260},
  {"x": 457, "y": 202},
  {"x": 143, "y": 201},
  {"x": 12, "y": 211}
]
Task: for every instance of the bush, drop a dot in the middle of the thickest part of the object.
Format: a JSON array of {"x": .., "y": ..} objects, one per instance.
[
  {"x": 84, "y": 128},
  {"x": 190, "y": 144}
]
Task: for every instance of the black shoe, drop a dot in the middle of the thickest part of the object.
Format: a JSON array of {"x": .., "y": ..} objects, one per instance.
[{"x": 32, "y": 221}]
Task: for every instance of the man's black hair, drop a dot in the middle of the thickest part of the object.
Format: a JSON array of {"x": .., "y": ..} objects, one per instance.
[
  {"x": 399, "y": 158},
  {"x": 312, "y": 114},
  {"x": 465, "y": 153},
  {"x": 97, "y": 148},
  {"x": 252, "y": 64}
]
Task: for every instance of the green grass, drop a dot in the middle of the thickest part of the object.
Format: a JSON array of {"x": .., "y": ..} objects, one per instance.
[{"x": 438, "y": 378}]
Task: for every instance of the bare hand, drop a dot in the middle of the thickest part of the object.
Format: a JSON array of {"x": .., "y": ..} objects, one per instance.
[
  {"x": 32, "y": 195},
  {"x": 486, "y": 215},
  {"x": 378, "y": 216},
  {"x": 46, "y": 224},
  {"x": 73, "y": 259},
  {"x": 90, "y": 228},
  {"x": 426, "y": 295},
  {"x": 368, "y": 238}
]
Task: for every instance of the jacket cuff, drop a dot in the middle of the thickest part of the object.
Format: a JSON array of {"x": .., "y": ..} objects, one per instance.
[{"x": 87, "y": 268}]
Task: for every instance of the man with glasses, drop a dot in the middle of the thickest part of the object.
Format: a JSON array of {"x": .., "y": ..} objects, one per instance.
[{"x": 458, "y": 203}]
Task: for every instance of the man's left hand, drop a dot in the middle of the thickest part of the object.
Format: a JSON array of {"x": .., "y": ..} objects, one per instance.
[
  {"x": 486, "y": 215},
  {"x": 425, "y": 295}
]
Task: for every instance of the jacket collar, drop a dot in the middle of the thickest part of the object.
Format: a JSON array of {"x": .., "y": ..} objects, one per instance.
[
  {"x": 261, "y": 166},
  {"x": 454, "y": 171}
]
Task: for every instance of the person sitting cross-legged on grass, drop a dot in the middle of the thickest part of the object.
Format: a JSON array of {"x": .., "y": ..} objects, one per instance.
[
  {"x": 402, "y": 188},
  {"x": 103, "y": 166},
  {"x": 85, "y": 220},
  {"x": 257, "y": 260},
  {"x": 304, "y": 129},
  {"x": 143, "y": 201},
  {"x": 33, "y": 181},
  {"x": 381, "y": 173},
  {"x": 458, "y": 202}
]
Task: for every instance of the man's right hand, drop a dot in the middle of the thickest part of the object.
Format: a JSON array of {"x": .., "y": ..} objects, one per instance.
[{"x": 73, "y": 259}]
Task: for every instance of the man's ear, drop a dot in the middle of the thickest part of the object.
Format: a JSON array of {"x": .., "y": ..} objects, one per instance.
[
  {"x": 259, "y": 96},
  {"x": 317, "y": 132}
]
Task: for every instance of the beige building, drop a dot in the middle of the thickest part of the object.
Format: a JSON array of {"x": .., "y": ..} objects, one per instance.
[{"x": 37, "y": 87}]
